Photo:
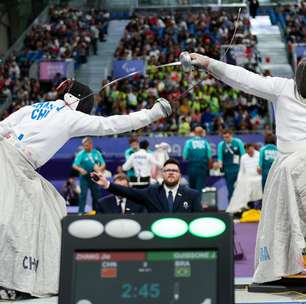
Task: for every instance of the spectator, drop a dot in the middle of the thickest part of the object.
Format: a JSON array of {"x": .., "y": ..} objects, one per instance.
[
  {"x": 87, "y": 161},
  {"x": 230, "y": 151},
  {"x": 170, "y": 196},
  {"x": 118, "y": 204},
  {"x": 248, "y": 185},
  {"x": 267, "y": 155},
  {"x": 253, "y": 7},
  {"x": 184, "y": 128},
  {"x": 197, "y": 152}
]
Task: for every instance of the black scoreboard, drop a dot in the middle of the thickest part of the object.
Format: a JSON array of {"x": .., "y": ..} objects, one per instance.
[{"x": 147, "y": 258}]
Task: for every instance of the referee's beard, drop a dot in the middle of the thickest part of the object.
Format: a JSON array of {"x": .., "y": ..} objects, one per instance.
[{"x": 171, "y": 182}]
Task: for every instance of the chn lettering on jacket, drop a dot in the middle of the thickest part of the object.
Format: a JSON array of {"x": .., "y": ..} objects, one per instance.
[
  {"x": 30, "y": 263},
  {"x": 41, "y": 110}
]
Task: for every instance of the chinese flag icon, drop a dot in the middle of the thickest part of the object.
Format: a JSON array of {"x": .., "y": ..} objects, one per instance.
[{"x": 108, "y": 272}]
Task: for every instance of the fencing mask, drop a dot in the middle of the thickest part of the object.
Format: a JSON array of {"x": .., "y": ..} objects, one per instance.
[
  {"x": 76, "y": 95},
  {"x": 300, "y": 79}
]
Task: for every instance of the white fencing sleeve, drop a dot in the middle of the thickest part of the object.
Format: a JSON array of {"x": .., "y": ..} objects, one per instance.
[
  {"x": 82, "y": 124},
  {"x": 269, "y": 88}
]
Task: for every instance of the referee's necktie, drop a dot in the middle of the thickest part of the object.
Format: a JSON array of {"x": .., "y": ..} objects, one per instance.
[
  {"x": 170, "y": 201},
  {"x": 121, "y": 206}
]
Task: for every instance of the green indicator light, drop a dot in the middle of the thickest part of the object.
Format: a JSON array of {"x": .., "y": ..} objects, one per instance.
[
  {"x": 169, "y": 228},
  {"x": 207, "y": 227}
]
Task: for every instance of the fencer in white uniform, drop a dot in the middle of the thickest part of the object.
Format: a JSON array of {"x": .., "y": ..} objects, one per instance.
[
  {"x": 282, "y": 228},
  {"x": 248, "y": 184},
  {"x": 30, "y": 207}
]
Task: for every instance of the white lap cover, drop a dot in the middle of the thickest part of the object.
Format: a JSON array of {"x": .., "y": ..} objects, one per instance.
[
  {"x": 281, "y": 231},
  {"x": 30, "y": 229}
]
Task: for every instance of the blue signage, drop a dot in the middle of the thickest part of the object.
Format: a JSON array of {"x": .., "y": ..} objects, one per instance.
[{"x": 124, "y": 67}]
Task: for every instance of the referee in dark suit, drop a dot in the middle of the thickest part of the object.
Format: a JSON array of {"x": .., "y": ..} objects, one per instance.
[
  {"x": 117, "y": 204},
  {"x": 169, "y": 196}
]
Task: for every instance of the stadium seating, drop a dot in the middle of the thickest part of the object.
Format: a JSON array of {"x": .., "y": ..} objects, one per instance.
[
  {"x": 69, "y": 34},
  {"x": 159, "y": 39}
]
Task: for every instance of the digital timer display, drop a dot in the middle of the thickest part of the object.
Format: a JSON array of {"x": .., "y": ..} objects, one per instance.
[{"x": 146, "y": 277}]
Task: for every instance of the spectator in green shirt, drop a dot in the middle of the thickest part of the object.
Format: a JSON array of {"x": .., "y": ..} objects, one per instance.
[
  {"x": 267, "y": 155},
  {"x": 229, "y": 152},
  {"x": 197, "y": 152},
  {"x": 87, "y": 161}
]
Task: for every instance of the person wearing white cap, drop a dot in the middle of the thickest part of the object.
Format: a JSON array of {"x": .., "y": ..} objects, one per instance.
[
  {"x": 30, "y": 207},
  {"x": 282, "y": 228}
]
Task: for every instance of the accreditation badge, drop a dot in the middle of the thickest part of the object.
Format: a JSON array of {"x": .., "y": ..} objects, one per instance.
[{"x": 236, "y": 159}]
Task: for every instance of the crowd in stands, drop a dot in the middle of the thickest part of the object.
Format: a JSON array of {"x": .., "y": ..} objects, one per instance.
[
  {"x": 159, "y": 40},
  {"x": 210, "y": 104},
  {"x": 69, "y": 34},
  {"x": 292, "y": 19}
]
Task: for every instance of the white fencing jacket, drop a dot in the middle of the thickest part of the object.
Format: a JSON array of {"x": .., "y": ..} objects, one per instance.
[
  {"x": 290, "y": 111},
  {"x": 41, "y": 129}
]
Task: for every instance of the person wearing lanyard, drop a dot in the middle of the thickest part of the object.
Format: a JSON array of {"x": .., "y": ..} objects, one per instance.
[
  {"x": 197, "y": 152},
  {"x": 267, "y": 155},
  {"x": 87, "y": 161},
  {"x": 229, "y": 152}
]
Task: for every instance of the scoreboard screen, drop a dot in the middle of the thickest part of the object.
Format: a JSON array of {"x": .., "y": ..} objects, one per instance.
[
  {"x": 152, "y": 276},
  {"x": 147, "y": 258}
]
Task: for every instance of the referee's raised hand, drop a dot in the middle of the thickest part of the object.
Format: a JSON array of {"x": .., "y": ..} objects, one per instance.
[{"x": 100, "y": 179}]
